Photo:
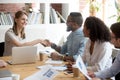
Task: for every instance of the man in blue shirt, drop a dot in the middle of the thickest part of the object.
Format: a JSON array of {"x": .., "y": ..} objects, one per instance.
[{"x": 75, "y": 43}]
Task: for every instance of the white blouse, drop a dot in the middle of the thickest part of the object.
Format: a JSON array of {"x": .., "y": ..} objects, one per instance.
[
  {"x": 101, "y": 57},
  {"x": 9, "y": 38}
]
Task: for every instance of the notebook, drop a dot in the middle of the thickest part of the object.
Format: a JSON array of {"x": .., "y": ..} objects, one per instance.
[
  {"x": 5, "y": 73},
  {"x": 27, "y": 54}
]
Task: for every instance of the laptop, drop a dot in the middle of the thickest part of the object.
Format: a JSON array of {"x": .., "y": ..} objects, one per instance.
[{"x": 26, "y": 54}]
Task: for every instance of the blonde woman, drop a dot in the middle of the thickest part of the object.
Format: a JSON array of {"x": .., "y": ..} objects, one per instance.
[{"x": 15, "y": 36}]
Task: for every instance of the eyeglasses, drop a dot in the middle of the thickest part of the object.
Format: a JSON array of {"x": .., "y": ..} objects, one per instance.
[
  {"x": 70, "y": 21},
  {"x": 113, "y": 37}
]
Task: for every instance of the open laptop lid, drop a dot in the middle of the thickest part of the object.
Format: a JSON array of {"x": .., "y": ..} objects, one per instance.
[{"x": 26, "y": 54}]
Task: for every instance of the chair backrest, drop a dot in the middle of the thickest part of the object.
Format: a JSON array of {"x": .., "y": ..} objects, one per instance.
[
  {"x": 1, "y": 48},
  {"x": 115, "y": 51},
  {"x": 117, "y": 77}
]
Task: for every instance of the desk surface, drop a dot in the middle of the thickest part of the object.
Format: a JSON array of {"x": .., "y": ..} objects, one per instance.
[{"x": 25, "y": 70}]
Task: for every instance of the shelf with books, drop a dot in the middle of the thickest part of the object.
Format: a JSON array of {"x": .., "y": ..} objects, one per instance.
[
  {"x": 34, "y": 17},
  {"x": 46, "y": 14},
  {"x": 67, "y": 6}
]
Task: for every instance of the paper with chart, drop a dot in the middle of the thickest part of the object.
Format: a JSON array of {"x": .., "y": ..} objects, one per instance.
[
  {"x": 81, "y": 66},
  {"x": 46, "y": 73}
]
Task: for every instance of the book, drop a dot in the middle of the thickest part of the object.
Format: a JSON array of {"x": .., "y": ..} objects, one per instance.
[
  {"x": 5, "y": 73},
  {"x": 54, "y": 16},
  {"x": 2, "y": 18},
  {"x": 10, "y": 18},
  {"x": 61, "y": 17}
]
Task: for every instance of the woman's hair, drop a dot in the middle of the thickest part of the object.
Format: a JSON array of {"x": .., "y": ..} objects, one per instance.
[
  {"x": 19, "y": 14},
  {"x": 77, "y": 18},
  {"x": 98, "y": 30},
  {"x": 115, "y": 28}
]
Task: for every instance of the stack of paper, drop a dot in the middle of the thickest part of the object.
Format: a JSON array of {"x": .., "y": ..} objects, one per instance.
[
  {"x": 59, "y": 68},
  {"x": 50, "y": 61}
]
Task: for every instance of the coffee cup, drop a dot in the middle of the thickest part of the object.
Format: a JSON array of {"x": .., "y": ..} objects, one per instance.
[
  {"x": 41, "y": 55},
  {"x": 15, "y": 77},
  {"x": 75, "y": 71}
]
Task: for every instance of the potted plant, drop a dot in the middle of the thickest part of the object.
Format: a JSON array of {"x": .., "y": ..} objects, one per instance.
[
  {"x": 117, "y": 6},
  {"x": 117, "y": 15},
  {"x": 93, "y": 7}
]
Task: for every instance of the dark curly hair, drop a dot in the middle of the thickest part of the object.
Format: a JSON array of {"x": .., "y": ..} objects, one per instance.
[
  {"x": 98, "y": 30},
  {"x": 115, "y": 28}
]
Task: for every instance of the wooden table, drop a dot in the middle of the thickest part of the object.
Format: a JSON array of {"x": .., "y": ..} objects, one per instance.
[{"x": 25, "y": 70}]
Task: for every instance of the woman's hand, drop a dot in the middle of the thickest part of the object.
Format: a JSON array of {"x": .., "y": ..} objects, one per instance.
[
  {"x": 91, "y": 74},
  {"x": 46, "y": 43},
  {"x": 3, "y": 63},
  {"x": 96, "y": 79}
]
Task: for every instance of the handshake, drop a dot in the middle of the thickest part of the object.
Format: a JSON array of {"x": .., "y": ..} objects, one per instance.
[{"x": 46, "y": 43}]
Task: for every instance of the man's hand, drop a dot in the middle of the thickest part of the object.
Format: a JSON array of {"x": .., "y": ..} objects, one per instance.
[
  {"x": 69, "y": 66},
  {"x": 68, "y": 58},
  {"x": 56, "y": 56}
]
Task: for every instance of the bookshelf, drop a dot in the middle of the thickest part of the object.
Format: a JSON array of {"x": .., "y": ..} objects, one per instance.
[{"x": 53, "y": 32}]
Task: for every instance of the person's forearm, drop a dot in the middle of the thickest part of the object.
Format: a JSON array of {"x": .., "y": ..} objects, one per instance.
[
  {"x": 57, "y": 48},
  {"x": 104, "y": 74},
  {"x": 31, "y": 43}
]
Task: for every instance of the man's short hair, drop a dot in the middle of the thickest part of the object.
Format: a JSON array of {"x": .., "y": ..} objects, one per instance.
[
  {"x": 115, "y": 28},
  {"x": 77, "y": 17}
]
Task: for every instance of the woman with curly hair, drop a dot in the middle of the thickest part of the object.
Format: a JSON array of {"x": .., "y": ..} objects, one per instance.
[{"x": 98, "y": 50}]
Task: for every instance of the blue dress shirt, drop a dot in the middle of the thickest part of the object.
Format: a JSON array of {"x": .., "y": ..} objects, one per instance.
[{"x": 75, "y": 44}]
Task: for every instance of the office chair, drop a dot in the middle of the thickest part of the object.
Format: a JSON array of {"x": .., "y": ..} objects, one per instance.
[
  {"x": 114, "y": 53},
  {"x": 1, "y": 48}
]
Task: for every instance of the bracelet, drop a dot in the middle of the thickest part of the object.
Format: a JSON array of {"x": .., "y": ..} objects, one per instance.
[{"x": 63, "y": 58}]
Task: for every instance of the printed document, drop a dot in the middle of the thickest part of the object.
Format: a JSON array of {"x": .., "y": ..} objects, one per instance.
[
  {"x": 46, "y": 73},
  {"x": 81, "y": 66}
]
